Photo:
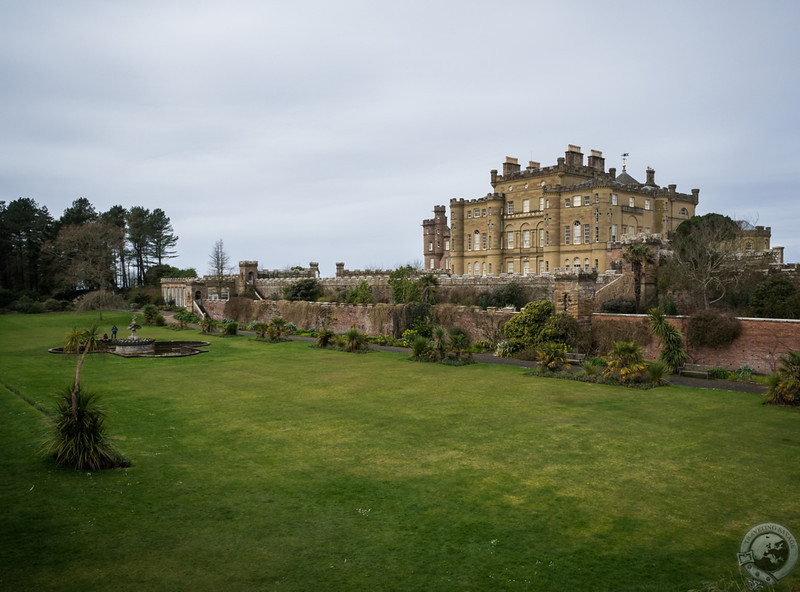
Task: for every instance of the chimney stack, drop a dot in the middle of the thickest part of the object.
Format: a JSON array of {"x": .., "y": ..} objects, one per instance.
[
  {"x": 574, "y": 156},
  {"x": 651, "y": 177},
  {"x": 596, "y": 161},
  {"x": 510, "y": 166}
]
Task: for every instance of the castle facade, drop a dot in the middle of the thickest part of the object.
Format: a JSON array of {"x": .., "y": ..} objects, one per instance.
[{"x": 566, "y": 217}]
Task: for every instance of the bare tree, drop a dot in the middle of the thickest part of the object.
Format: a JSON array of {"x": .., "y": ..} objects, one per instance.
[{"x": 219, "y": 262}]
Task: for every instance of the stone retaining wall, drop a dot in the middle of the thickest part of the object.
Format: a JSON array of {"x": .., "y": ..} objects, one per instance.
[{"x": 760, "y": 345}]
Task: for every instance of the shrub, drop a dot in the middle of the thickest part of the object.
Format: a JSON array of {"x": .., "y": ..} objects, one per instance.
[
  {"x": 459, "y": 343},
  {"x": 421, "y": 348},
  {"x": 784, "y": 385},
  {"x": 744, "y": 373},
  {"x": 619, "y": 305},
  {"x": 80, "y": 439},
  {"x": 354, "y": 340},
  {"x": 325, "y": 338},
  {"x": 656, "y": 373},
  {"x": 529, "y": 327},
  {"x": 51, "y": 304},
  {"x": 592, "y": 367},
  {"x": 231, "y": 328},
  {"x": 712, "y": 328},
  {"x": 208, "y": 325},
  {"x": 185, "y": 318},
  {"x": 407, "y": 337},
  {"x": 718, "y": 373},
  {"x": 150, "y": 313},
  {"x": 260, "y": 329},
  {"x": 626, "y": 361},
  {"x": 552, "y": 356},
  {"x": 504, "y": 349},
  {"x": 307, "y": 289}
]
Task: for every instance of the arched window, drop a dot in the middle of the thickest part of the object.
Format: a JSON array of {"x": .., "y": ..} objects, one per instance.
[
  {"x": 477, "y": 241},
  {"x": 586, "y": 263},
  {"x": 483, "y": 269},
  {"x": 469, "y": 268},
  {"x": 566, "y": 263},
  {"x": 576, "y": 232},
  {"x": 577, "y": 263}
]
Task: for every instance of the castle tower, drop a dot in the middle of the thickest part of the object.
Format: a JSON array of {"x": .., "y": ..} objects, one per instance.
[{"x": 436, "y": 240}]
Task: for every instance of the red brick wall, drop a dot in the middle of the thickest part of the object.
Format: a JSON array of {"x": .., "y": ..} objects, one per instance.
[{"x": 760, "y": 345}]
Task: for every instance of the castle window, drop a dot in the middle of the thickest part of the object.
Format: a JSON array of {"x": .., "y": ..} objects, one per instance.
[
  {"x": 477, "y": 212},
  {"x": 647, "y": 204},
  {"x": 447, "y": 244},
  {"x": 576, "y": 235},
  {"x": 613, "y": 233},
  {"x": 586, "y": 200},
  {"x": 541, "y": 203},
  {"x": 613, "y": 199},
  {"x": 483, "y": 241},
  {"x": 566, "y": 264},
  {"x": 483, "y": 269},
  {"x": 483, "y": 213},
  {"x": 526, "y": 267},
  {"x": 566, "y": 235},
  {"x": 430, "y": 246},
  {"x": 547, "y": 237},
  {"x": 596, "y": 264},
  {"x": 510, "y": 239},
  {"x": 586, "y": 264},
  {"x": 469, "y": 213},
  {"x": 510, "y": 207},
  {"x": 541, "y": 238},
  {"x": 433, "y": 264},
  {"x": 597, "y": 234},
  {"x": 469, "y": 268},
  {"x": 684, "y": 212},
  {"x": 547, "y": 266},
  {"x": 566, "y": 202},
  {"x": 526, "y": 206},
  {"x": 490, "y": 211},
  {"x": 510, "y": 267},
  {"x": 631, "y": 203},
  {"x": 596, "y": 198},
  {"x": 586, "y": 234},
  {"x": 477, "y": 238},
  {"x": 541, "y": 267},
  {"x": 577, "y": 263},
  {"x": 748, "y": 246},
  {"x": 630, "y": 231},
  {"x": 526, "y": 239},
  {"x": 469, "y": 242},
  {"x": 547, "y": 204}
]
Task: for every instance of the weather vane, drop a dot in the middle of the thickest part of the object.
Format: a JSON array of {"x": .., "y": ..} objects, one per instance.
[{"x": 624, "y": 164}]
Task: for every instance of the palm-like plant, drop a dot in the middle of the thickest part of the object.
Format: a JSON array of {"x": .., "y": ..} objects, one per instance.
[
  {"x": 637, "y": 255},
  {"x": 260, "y": 329},
  {"x": 207, "y": 325},
  {"x": 626, "y": 360},
  {"x": 552, "y": 356},
  {"x": 784, "y": 385},
  {"x": 459, "y": 342},
  {"x": 80, "y": 439},
  {"x": 354, "y": 340},
  {"x": 325, "y": 338},
  {"x": 80, "y": 342},
  {"x": 673, "y": 354},
  {"x": 440, "y": 344},
  {"x": 420, "y": 347}
]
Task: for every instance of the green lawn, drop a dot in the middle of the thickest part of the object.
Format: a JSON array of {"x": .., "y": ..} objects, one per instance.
[{"x": 283, "y": 467}]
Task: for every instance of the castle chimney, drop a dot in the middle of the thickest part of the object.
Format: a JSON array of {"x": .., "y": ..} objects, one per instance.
[
  {"x": 651, "y": 177},
  {"x": 493, "y": 173},
  {"x": 532, "y": 165},
  {"x": 574, "y": 156},
  {"x": 596, "y": 161},
  {"x": 510, "y": 166},
  {"x": 612, "y": 172}
]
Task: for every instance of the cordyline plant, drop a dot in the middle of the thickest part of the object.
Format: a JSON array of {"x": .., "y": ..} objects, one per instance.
[
  {"x": 80, "y": 440},
  {"x": 673, "y": 353}
]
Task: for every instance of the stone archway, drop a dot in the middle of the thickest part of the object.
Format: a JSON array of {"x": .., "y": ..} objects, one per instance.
[{"x": 198, "y": 295}]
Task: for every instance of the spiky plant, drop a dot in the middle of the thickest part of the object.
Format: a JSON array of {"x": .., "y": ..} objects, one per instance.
[
  {"x": 354, "y": 340},
  {"x": 325, "y": 338},
  {"x": 208, "y": 325},
  {"x": 656, "y": 372},
  {"x": 80, "y": 439},
  {"x": 673, "y": 353},
  {"x": 625, "y": 360},
  {"x": 420, "y": 347},
  {"x": 784, "y": 385},
  {"x": 260, "y": 329},
  {"x": 552, "y": 356},
  {"x": 440, "y": 344}
]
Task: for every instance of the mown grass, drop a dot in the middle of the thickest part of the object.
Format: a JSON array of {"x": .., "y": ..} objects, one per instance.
[{"x": 262, "y": 466}]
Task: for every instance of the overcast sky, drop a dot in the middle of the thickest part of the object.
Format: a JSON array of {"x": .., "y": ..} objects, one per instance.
[{"x": 327, "y": 131}]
